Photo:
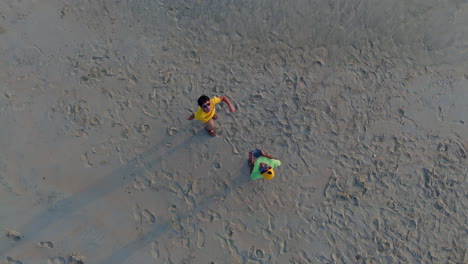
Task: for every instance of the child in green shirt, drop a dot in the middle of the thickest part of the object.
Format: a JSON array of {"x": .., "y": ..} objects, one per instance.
[{"x": 262, "y": 165}]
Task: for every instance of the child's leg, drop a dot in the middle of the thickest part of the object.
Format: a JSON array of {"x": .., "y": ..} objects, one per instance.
[
  {"x": 251, "y": 158},
  {"x": 210, "y": 127}
]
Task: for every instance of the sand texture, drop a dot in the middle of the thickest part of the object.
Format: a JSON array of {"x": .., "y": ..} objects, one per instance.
[{"x": 365, "y": 103}]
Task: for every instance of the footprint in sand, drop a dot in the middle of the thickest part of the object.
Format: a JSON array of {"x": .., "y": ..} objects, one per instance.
[
  {"x": 171, "y": 131},
  {"x": 283, "y": 249},
  {"x": 201, "y": 238},
  {"x": 148, "y": 216},
  {"x": 219, "y": 129},
  {"x": 204, "y": 217},
  {"x": 228, "y": 231},
  {"x": 46, "y": 244},
  {"x": 141, "y": 183},
  {"x": 137, "y": 214},
  {"x": 205, "y": 154},
  {"x": 154, "y": 249},
  {"x": 217, "y": 163},
  {"x": 13, "y": 261},
  {"x": 14, "y": 235},
  {"x": 57, "y": 260},
  {"x": 75, "y": 259},
  {"x": 259, "y": 254}
]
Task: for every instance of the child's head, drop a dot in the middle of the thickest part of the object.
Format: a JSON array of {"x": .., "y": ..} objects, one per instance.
[
  {"x": 202, "y": 100},
  {"x": 267, "y": 171},
  {"x": 269, "y": 174},
  {"x": 204, "y": 103}
]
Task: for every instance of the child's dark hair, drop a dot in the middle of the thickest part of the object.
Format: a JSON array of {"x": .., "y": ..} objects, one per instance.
[{"x": 203, "y": 99}]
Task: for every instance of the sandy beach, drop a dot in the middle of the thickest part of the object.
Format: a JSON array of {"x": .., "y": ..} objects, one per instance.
[{"x": 365, "y": 103}]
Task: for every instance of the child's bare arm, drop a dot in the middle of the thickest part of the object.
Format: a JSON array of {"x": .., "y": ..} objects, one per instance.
[
  {"x": 228, "y": 102},
  {"x": 190, "y": 117},
  {"x": 266, "y": 155}
]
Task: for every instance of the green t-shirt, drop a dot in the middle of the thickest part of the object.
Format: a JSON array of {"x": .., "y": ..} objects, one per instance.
[{"x": 255, "y": 175}]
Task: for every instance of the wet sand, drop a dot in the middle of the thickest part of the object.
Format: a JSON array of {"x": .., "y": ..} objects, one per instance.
[{"x": 364, "y": 102}]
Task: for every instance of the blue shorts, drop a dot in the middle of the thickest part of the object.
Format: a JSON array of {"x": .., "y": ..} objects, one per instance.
[{"x": 256, "y": 153}]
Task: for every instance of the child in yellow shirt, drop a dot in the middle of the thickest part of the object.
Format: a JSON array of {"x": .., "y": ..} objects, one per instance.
[{"x": 206, "y": 111}]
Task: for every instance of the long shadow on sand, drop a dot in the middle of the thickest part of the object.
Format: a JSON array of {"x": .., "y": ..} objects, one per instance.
[
  {"x": 117, "y": 179},
  {"x": 128, "y": 250}
]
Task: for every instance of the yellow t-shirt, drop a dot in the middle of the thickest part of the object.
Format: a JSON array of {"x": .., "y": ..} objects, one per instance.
[{"x": 205, "y": 117}]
